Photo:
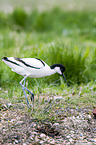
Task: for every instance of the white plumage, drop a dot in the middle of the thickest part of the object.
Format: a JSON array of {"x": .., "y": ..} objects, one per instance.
[{"x": 32, "y": 67}]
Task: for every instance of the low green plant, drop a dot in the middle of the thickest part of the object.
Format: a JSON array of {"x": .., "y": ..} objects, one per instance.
[
  {"x": 69, "y": 23},
  {"x": 52, "y": 36},
  {"x": 76, "y": 60},
  {"x": 20, "y": 17}
]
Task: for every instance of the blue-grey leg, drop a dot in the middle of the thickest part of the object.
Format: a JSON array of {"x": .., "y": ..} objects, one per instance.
[
  {"x": 26, "y": 96},
  {"x": 24, "y": 82},
  {"x": 24, "y": 88}
]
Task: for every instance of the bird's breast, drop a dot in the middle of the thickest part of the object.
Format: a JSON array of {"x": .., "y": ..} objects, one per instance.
[{"x": 37, "y": 73}]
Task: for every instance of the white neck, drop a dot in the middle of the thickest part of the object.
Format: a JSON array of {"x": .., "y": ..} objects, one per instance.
[{"x": 51, "y": 72}]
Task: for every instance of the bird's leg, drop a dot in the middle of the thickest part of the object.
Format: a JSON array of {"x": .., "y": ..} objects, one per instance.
[
  {"x": 24, "y": 88},
  {"x": 24, "y": 81}
]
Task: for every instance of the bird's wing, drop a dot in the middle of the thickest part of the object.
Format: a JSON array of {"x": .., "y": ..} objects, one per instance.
[{"x": 30, "y": 62}]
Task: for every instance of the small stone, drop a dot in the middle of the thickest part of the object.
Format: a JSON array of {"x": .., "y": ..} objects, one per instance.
[
  {"x": 34, "y": 133},
  {"x": 24, "y": 143},
  {"x": 16, "y": 141},
  {"x": 89, "y": 116},
  {"x": 41, "y": 142},
  {"x": 72, "y": 132},
  {"x": 70, "y": 139},
  {"x": 31, "y": 137},
  {"x": 58, "y": 98},
  {"x": 36, "y": 138},
  {"x": 95, "y": 140},
  {"x": 68, "y": 136},
  {"x": 56, "y": 124},
  {"x": 42, "y": 135},
  {"x": 52, "y": 142}
]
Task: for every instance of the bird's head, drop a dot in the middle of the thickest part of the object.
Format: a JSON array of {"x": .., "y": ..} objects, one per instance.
[{"x": 59, "y": 68}]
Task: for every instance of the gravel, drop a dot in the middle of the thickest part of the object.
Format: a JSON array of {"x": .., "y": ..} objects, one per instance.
[{"x": 73, "y": 126}]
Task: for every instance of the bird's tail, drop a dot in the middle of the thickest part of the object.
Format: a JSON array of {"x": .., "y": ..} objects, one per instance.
[
  {"x": 5, "y": 58},
  {"x": 11, "y": 62}
]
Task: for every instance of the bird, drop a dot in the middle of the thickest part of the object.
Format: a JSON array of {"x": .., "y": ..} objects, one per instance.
[{"x": 34, "y": 68}]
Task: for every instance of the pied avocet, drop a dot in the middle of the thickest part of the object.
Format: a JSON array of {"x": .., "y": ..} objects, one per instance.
[{"x": 32, "y": 67}]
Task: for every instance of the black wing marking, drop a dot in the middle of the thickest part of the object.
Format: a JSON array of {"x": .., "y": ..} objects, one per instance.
[
  {"x": 20, "y": 60},
  {"x": 6, "y": 59},
  {"x": 41, "y": 61}
]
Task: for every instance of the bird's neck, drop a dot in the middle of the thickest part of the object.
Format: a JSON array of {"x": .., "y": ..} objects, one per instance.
[
  {"x": 48, "y": 71},
  {"x": 51, "y": 71}
]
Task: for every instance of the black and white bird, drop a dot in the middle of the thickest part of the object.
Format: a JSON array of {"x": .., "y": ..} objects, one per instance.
[{"x": 32, "y": 67}]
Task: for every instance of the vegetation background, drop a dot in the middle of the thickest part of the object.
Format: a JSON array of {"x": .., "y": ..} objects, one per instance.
[{"x": 56, "y": 32}]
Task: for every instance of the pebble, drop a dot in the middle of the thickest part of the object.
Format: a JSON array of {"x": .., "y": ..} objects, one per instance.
[
  {"x": 52, "y": 142},
  {"x": 42, "y": 135},
  {"x": 89, "y": 116},
  {"x": 70, "y": 139},
  {"x": 56, "y": 124},
  {"x": 16, "y": 141},
  {"x": 68, "y": 136},
  {"x": 74, "y": 129},
  {"x": 31, "y": 138},
  {"x": 41, "y": 142},
  {"x": 34, "y": 133},
  {"x": 58, "y": 98}
]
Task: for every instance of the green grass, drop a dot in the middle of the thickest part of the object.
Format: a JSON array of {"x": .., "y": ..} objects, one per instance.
[
  {"x": 67, "y": 23},
  {"x": 54, "y": 36},
  {"x": 79, "y": 60},
  {"x": 47, "y": 105}
]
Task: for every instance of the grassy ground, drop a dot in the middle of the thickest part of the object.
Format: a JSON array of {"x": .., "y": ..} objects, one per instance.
[
  {"x": 55, "y": 36},
  {"x": 61, "y": 115}
]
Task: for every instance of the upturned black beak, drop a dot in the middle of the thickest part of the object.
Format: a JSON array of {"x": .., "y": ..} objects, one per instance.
[{"x": 65, "y": 79}]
